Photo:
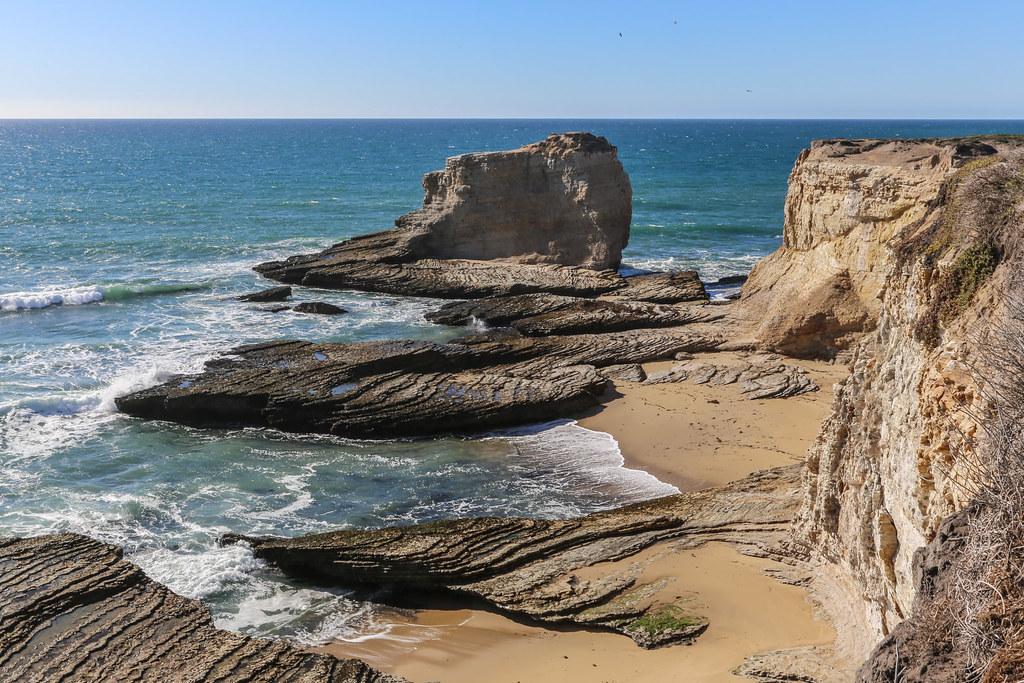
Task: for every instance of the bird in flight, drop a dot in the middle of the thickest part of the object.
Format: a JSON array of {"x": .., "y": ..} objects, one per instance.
[{"x": 620, "y": 35}]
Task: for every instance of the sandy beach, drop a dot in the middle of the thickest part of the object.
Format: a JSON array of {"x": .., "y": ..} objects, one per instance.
[{"x": 693, "y": 436}]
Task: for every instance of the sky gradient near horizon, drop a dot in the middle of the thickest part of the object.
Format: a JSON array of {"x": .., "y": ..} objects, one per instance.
[{"x": 317, "y": 58}]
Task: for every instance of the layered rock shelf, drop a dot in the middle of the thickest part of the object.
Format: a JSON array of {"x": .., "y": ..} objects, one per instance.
[
  {"x": 758, "y": 377},
  {"x": 533, "y": 568},
  {"x": 74, "y": 610},
  {"x": 539, "y": 315},
  {"x": 387, "y": 389}
]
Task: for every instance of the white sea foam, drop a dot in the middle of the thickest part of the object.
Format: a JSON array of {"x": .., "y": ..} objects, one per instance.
[
  {"x": 89, "y": 294},
  {"x": 199, "y": 575},
  {"x": 582, "y": 459},
  {"x": 76, "y": 296}
]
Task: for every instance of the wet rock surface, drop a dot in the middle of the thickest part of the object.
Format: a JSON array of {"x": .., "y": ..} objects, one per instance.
[
  {"x": 493, "y": 223},
  {"x": 318, "y": 308},
  {"x": 272, "y": 294},
  {"x": 73, "y": 610},
  {"x": 403, "y": 388},
  {"x": 758, "y": 378},
  {"x": 532, "y": 568}
]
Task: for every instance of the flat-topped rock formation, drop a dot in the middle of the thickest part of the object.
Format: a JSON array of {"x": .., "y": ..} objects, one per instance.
[
  {"x": 73, "y": 610},
  {"x": 536, "y": 568},
  {"x": 406, "y": 388},
  {"x": 564, "y": 201}
]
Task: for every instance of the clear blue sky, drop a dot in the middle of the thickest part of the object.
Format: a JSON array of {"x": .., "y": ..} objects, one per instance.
[{"x": 489, "y": 58}]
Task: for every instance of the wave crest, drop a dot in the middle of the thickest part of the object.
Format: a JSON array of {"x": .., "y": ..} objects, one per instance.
[{"x": 77, "y": 296}]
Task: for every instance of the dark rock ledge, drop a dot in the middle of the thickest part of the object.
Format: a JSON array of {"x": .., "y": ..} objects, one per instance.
[
  {"x": 73, "y": 610},
  {"x": 530, "y": 569},
  {"x": 404, "y": 388}
]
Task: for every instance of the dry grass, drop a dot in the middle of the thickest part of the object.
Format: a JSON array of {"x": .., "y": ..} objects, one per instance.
[{"x": 986, "y": 600}]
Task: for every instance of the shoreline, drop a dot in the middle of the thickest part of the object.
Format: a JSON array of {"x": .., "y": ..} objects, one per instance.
[{"x": 689, "y": 435}]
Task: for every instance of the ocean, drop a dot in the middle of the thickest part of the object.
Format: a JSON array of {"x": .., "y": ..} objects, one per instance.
[{"x": 122, "y": 244}]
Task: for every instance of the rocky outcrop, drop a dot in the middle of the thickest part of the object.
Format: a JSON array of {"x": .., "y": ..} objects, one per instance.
[
  {"x": 758, "y": 378},
  {"x": 405, "y": 388},
  {"x": 73, "y": 610},
  {"x": 318, "y": 308},
  {"x": 537, "y": 569},
  {"x": 564, "y": 201}
]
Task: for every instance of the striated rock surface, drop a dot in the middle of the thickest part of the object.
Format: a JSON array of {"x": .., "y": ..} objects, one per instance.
[
  {"x": 564, "y": 201},
  {"x": 912, "y": 653},
  {"x": 537, "y": 315},
  {"x": 629, "y": 372},
  {"x": 404, "y": 388},
  {"x": 73, "y": 610},
  {"x": 537, "y": 568},
  {"x": 663, "y": 288},
  {"x": 758, "y": 378},
  {"x": 267, "y": 295}
]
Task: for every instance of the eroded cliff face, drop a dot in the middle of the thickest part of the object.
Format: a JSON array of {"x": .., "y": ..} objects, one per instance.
[
  {"x": 848, "y": 201},
  {"x": 899, "y": 255}
]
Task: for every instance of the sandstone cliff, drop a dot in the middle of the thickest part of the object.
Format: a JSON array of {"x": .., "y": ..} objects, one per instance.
[
  {"x": 848, "y": 201},
  {"x": 493, "y": 223},
  {"x": 901, "y": 252}
]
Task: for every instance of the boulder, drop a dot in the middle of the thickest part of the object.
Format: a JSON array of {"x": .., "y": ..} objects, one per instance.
[{"x": 74, "y": 610}]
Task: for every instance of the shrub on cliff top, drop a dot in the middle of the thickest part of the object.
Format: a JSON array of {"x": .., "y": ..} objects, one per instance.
[{"x": 978, "y": 203}]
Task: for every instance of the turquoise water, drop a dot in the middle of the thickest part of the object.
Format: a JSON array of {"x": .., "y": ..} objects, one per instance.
[{"x": 121, "y": 244}]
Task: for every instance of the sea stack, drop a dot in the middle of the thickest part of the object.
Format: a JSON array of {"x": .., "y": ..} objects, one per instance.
[{"x": 493, "y": 223}]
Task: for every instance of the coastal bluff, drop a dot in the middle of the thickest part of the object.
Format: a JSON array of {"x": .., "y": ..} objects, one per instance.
[{"x": 539, "y": 218}]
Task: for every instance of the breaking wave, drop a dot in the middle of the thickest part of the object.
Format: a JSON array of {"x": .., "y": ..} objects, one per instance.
[{"x": 78, "y": 296}]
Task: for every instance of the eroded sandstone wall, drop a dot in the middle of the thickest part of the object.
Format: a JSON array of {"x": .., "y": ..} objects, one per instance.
[
  {"x": 879, "y": 263},
  {"x": 847, "y": 201},
  {"x": 563, "y": 200}
]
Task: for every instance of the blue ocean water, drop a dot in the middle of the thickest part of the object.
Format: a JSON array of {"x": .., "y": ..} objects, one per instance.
[{"x": 122, "y": 243}]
